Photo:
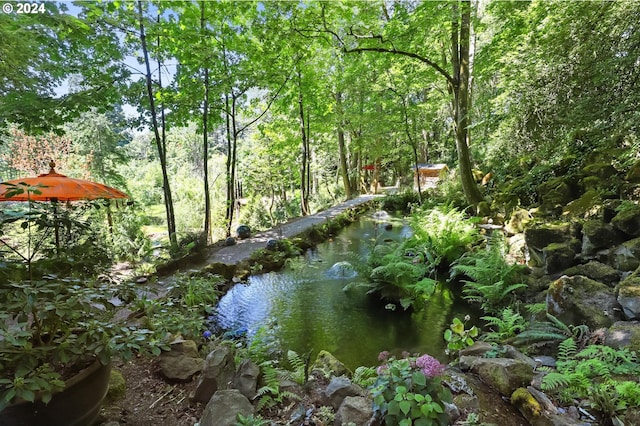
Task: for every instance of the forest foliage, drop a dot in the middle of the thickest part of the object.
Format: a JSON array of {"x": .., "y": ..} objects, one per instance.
[{"x": 254, "y": 112}]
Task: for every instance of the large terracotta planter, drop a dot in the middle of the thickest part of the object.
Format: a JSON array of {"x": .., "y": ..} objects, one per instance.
[{"x": 77, "y": 405}]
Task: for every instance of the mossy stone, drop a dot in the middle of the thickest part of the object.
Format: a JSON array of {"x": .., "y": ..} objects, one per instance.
[
  {"x": 624, "y": 334},
  {"x": 117, "y": 386},
  {"x": 633, "y": 175},
  {"x": 583, "y": 205},
  {"x": 526, "y": 403},
  {"x": 558, "y": 256},
  {"x": 628, "y": 221},
  {"x": 328, "y": 363}
]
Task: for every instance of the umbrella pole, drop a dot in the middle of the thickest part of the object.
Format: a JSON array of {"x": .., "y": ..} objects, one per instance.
[{"x": 56, "y": 226}]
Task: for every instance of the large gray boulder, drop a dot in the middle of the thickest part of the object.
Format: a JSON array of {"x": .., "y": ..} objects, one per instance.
[
  {"x": 217, "y": 374},
  {"x": 246, "y": 378},
  {"x": 339, "y": 388},
  {"x": 182, "y": 361},
  {"x": 623, "y": 334},
  {"x": 629, "y": 298},
  {"x": 580, "y": 300},
  {"x": 356, "y": 410},
  {"x": 224, "y": 407}
]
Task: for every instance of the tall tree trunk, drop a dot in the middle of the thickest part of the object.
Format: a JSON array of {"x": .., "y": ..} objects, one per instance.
[
  {"x": 342, "y": 151},
  {"x": 304, "y": 196},
  {"x": 160, "y": 141},
  {"x": 460, "y": 40},
  {"x": 205, "y": 138},
  {"x": 230, "y": 186}
]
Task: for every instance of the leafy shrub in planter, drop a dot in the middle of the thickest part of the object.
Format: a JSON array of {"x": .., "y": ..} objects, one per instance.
[{"x": 49, "y": 330}]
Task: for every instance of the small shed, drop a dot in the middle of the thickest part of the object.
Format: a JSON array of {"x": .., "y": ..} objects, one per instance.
[{"x": 429, "y": 174}]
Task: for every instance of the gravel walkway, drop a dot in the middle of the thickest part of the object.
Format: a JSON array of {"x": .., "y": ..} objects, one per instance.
[{"x": 235, "y": 254}]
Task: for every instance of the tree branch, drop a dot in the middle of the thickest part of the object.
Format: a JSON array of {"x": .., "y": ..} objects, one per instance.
[{"x": 393, "y": 50}]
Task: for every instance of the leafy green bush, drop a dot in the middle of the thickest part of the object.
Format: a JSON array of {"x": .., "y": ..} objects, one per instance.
[{"x": 409, "y": 391}]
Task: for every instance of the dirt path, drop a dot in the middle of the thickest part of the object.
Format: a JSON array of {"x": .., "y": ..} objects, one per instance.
[{"x": 235, "y": 254}]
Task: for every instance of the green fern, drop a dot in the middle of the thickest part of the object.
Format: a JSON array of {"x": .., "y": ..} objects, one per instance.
[
  {"x": 364, "y": 376},
  {"x": 492, "y": 279},
  {"x": 593, "y": 374},
  {"x": 250, "y": 420},
  {"x": 536, "y": 308},
  {"x": 552, "y": 330},
  {"x": 299, "y": 367},
  {"x": 504, "y": 327},
  {"x": 567, "y": 350}
]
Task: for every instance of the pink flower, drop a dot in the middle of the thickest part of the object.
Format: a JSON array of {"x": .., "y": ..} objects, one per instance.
[
  {"x": 382, "y": 369},
  {"x": 383, "y": 356},
  {"x": 430, "y": 366}
]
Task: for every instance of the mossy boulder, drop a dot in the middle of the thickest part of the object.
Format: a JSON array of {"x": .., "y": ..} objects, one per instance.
[
  {"x": 117, "y": 386},
  {"x": 329, "y": 364},
  {"x": 624, "y": 334},
  {"x": 580, "y": 300},
  {"x": 483, "y": 209},
  {"x": 597, "y": 235},
  {"x": 557, "y": 257},
  {"x": 600, "y": 170},
  {"x": 628, "y": 220},
  {"x": 597, "y": 271},
  {"x": 526, "y": 404},
  {"x": 626, "y": 257},
  {"x": 503, "y": 374},
  {"x": 554, "y": 193},
  {"x": 540, "y": 236},
  {"x": 633, "y": 175},
  {"x": 585, "y": 206},
  {"x": 518, "y": 221}
]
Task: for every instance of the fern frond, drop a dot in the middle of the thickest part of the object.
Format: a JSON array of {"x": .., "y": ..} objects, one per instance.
[
  {"x": 364, "y": 376},
  {"x": 554, "y": 381},
  {"x": 295, "y": 360},
  {"x": 290, "y": 395},
  {"x": 265, "y": 402},
  {"x": 567, "y": 349}
]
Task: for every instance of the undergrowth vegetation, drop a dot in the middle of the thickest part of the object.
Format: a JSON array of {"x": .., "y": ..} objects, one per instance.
[{"x": 599, "y": 374}]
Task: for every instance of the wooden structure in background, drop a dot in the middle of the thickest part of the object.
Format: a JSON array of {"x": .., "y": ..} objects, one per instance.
[{"x": 429, "y": 174}]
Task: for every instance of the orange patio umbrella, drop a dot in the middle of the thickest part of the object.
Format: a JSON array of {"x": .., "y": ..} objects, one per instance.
[{"x": 56, "y": 187}]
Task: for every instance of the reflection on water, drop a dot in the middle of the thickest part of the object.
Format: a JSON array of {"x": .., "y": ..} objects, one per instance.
[{"x": 308, "y": 310}]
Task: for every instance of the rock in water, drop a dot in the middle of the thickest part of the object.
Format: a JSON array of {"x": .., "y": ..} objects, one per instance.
[{"x": 342, "y": 270}]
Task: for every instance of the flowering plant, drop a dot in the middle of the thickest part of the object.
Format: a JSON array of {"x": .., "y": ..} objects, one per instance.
[{"x": 409, "y": 391}]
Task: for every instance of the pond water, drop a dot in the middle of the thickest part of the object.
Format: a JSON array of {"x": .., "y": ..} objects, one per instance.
[{"x": 306, "y": 308}]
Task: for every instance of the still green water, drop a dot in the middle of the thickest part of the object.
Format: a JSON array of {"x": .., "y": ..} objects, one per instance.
[{"x": 306, "y": 308}]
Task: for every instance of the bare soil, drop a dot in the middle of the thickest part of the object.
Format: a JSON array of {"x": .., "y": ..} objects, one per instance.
[{"x": 150, "y": 400}]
